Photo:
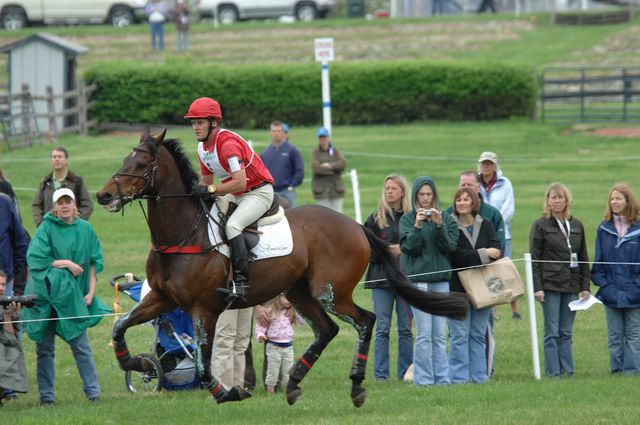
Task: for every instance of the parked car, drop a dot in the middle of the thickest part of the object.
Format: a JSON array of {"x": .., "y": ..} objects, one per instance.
[
  {"x": 17, "y": 14},
  {"x": 230, "y": 11}
]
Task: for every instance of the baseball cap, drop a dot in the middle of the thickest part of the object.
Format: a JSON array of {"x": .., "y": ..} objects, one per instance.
[
  {"x": 488, "y": 156},
  {"x": 322, "y": 132},
  {"x": 63, "y": 192},
  {"x": 285, "y": 127}
]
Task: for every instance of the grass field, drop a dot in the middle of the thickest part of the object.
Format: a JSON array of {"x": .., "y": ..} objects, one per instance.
[{"x": 531, "y": 155}]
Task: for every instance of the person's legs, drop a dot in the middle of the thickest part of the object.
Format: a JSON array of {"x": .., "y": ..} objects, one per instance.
[
  {"x": 459, "y": 351},
  {"x": 153, "y": 27},
  {"x": 632, "y": 341},
  {"x": 161, "y": 35},
  {"x": 289, "y": 196},
  {"x": 615, "y": 339},
  {"x": 422, "y": 351},
  {"x": 287, "y": 363},
  {"x": 477, "y": 345},
  {"x": 243, "y": 335},
  {"x": 222, "y": 359},
  {"x": 45, "y": 370},
  {"x": 551, "y": 311},
  {"x": 565, "y": 335},
  {"x": 382, "y": 307},
  {"x": 86, "y": 366},
  {"x": 404, "y": 316},
  {"x": 273, "y": 370},
  {"x": 440, "y": 363}
]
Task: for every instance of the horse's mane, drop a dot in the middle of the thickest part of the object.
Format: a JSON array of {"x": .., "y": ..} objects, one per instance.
[{"x": 188, "y": 176}]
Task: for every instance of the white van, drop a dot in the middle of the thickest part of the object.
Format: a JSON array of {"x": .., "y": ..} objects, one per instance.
[
  {"x": 17, "y": 14},
  {"x": 230, "y": 11}
]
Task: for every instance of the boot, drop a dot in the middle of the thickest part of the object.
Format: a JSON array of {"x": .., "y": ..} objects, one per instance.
[{"x": 240, "y": 262}]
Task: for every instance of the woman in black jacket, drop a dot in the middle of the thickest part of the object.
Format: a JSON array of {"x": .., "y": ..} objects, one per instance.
[
  {"x": 384, "y": 223},
  {"x": 560, "y": 272},
  {"x": 477, "y": 245}
]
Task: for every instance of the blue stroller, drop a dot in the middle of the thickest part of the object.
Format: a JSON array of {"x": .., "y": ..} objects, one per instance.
[{"x": 173, "y": 361}]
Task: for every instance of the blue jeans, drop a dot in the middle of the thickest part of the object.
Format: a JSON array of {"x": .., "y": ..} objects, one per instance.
[
  {"x": 8, "y": 288},
  {"x": 623, "y": 325},
  {"x": 84, "y": 361},
  {"x": 289, "y": 195},
  {"x": 430, "y": 366},
  {"x": 157, "y": 35},
  {"x": 383, "y": 299},
  {"x": 182, "y": 40},
  {"x": 467, "y": 357},
  {"x": 558, "y": 325}
]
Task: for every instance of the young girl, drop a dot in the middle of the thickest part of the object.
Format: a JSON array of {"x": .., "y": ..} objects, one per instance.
[{"x": 278, "y": 336}]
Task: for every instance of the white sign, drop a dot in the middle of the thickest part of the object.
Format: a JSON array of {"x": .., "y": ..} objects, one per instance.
[{"x": 324, "y": 49}]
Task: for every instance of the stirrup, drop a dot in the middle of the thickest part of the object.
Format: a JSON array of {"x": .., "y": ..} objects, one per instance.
[{"x": 233, "y": 294}]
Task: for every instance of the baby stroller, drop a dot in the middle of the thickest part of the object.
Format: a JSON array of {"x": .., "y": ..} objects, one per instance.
[{"x": 173, "y": 361}]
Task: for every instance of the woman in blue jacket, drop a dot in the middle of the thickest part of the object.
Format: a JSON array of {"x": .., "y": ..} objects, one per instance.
[{"x": 618, "y": 247}]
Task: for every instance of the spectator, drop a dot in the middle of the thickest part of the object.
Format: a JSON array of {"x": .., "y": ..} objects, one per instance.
[
  {"x": 13, "y": 372},
  {"x": 64, "y": 258},
  {"x": 486, "y": 5},
  {"x": 557, "y": 239},
  {"x": 61, "y": 177},
  {"x": 385, "y": 223},
  {"x": 7, "y": 189},
  {"x": 13, "y": 242},
  {"x": 618, "y": 245},
  {"x": 182, "y": 25},
  {"x": 427, "y": 239},
  {"x": 157, "y": 14},
  {"x": 278, "y": 340},
  {"x": 497, "y": 191},
  {"x": 477, "y": 245},
  {"x": 327, "y": 164},
  {"x": 284, "y": 162}
]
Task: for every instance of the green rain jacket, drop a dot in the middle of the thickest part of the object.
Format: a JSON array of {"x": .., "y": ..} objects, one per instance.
[
  {"x": 427, "y": 250},
  {"x": 58, "y": 240}
]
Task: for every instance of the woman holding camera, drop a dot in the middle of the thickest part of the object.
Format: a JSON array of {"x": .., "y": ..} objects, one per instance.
[
  {"x": 427, "y": 239},
  {"x": 64, "y": 257}
]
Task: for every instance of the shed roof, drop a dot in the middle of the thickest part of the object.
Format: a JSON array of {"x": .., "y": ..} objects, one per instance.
[{"x": 50, "y": 39}]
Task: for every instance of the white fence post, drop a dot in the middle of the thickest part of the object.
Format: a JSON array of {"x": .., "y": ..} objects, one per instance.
[
  {"x": 533, "y": 326},
  {"x": 355, "y": 185}
]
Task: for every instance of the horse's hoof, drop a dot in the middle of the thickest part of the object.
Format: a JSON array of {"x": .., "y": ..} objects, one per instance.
[
  {"x": 359, "y": 398},
  {"x": 293, "y": 395},
  {"x": 234, "y": 394}
]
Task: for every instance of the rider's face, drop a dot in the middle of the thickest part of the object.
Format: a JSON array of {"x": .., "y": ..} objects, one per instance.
[{"x": 200, "y": 128}]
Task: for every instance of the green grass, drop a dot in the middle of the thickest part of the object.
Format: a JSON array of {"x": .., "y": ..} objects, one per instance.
[{"x": 531, "y": 155}]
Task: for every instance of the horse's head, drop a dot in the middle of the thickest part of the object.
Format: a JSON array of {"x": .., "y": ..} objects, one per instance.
[{"x": 137, "y": 176}]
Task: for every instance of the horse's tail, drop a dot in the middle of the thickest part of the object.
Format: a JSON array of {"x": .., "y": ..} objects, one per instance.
[{"x": 451, "y": 304}]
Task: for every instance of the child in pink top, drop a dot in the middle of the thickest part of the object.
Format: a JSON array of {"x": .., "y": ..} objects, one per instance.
[{"x": 278, "y": 336}]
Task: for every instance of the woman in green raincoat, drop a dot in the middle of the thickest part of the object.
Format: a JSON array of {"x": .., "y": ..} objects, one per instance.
[{"x": 64, "y": 258}]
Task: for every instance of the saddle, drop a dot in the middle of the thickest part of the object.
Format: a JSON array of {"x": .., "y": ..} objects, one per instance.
[{"x": 250, "y": 234}]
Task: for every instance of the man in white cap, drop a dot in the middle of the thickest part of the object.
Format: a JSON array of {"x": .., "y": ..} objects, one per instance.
[{"x": 497, "y": 191}]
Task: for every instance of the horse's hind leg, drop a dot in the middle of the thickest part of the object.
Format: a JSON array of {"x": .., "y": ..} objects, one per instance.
[
  {"x": 363, "y": 321},
  {"x": 151, "y": 307},
  {"x": 324, "y": 330}
]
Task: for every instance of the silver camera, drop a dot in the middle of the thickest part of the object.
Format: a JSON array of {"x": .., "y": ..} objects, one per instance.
[{"x": 428, "y": 214}]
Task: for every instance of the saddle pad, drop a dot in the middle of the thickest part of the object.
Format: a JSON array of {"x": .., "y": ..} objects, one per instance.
[{"x": 275, "y": 240}]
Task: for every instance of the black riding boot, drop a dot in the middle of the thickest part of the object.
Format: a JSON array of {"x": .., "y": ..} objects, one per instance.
[{"x": 240, "y": 262}]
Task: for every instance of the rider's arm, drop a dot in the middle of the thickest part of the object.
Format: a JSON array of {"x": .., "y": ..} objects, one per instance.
[
  {"x": 206, "y": 180},
  {"x": 237, "y": 183}
]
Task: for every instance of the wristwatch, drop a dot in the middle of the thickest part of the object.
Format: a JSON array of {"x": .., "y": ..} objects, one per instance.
[{"x": 211, "y": 188}]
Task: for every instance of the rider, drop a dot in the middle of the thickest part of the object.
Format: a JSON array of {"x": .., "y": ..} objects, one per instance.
[{"x": 240, "y": 173}]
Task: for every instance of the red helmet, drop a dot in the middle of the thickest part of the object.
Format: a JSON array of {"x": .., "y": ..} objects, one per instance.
[{"x": 205, "y": 107}]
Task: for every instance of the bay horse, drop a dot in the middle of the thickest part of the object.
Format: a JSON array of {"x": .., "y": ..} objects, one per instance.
[{"x": 330, "y": 255}]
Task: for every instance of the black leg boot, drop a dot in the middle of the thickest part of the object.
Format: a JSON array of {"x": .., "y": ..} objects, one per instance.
[{"x": 240, "y": 262}]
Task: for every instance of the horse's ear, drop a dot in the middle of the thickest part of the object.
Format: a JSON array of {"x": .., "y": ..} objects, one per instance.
[
  {"x": 146, "y": 134},
  {"x": 159, "y": 137}
]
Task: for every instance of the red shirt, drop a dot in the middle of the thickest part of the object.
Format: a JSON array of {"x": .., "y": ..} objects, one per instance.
[{"x": 223, "y": 145}]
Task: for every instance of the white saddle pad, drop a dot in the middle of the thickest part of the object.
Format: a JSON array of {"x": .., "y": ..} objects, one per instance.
[{"x": 275, "y": 239}]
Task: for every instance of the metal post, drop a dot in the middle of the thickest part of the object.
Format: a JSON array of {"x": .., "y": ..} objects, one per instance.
[
  {"x": 326, "y": 97},
  {"x": 533, "y": 326},
  {"x": 356, "y": 194}
]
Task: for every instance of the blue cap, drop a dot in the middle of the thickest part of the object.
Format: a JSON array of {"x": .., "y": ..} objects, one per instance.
[
  {"x": 285, "y": 127},
  {"x": 322, "y": 132}
]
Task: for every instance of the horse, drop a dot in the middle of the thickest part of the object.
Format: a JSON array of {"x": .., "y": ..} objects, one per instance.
[{"x": 330, "y": 255}]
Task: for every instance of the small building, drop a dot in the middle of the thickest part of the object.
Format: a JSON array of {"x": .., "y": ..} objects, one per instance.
[{"x": 43, "y": 60}]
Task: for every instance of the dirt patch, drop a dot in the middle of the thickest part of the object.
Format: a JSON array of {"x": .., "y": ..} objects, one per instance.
[{"x": 608, "y": 131}]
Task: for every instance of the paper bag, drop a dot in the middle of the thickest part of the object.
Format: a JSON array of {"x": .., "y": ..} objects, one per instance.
[{"x": 492, "y": 284}]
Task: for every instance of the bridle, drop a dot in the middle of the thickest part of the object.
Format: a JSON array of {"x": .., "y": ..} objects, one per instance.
[{"x": 149, "y": 178}]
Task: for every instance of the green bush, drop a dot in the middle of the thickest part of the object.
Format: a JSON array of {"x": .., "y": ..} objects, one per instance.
[{"x": 360, "y": 93}]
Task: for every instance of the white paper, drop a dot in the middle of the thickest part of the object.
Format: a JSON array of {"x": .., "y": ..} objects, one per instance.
[{"x": 584, "y": 304}]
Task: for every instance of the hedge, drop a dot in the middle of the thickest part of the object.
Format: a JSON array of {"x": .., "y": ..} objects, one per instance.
[{"x": 253, "y": 96}]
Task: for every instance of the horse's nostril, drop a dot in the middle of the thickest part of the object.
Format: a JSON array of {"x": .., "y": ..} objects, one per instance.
[{"x": 103, "y": 198}]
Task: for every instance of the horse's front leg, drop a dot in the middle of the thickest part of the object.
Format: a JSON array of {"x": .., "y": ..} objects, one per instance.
[
  {"x": 152, "y": 306},
  {"x": 204, "y": 326}
]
